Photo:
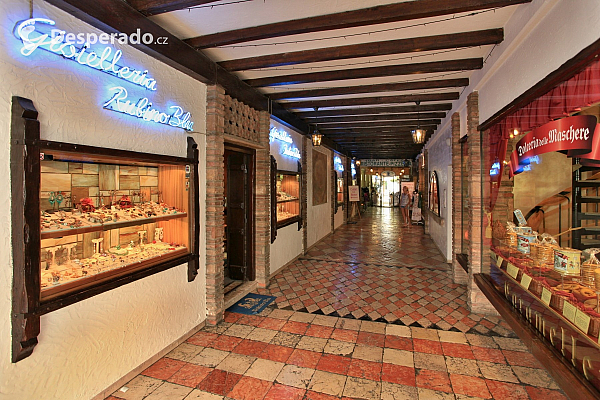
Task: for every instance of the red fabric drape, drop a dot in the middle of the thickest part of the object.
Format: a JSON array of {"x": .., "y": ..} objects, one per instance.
[{"x": 582, "y": 90}]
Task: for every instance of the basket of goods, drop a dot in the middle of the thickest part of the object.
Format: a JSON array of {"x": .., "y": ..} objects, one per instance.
[
  {"x": 545, "y": 251},
  {"x": 589, "y": 266},
  {"x": 564, "y": 292},
  {"x": 511, "y": 235},
  {"x": 87, "y": 205}
]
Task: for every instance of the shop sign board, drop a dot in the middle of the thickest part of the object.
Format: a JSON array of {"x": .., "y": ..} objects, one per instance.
[
  {"x": 287, "y": 147},
  {"x": 353, "y": 193},
  {"x": 573, "y": 135},
  {"x": 399, "y": 162},
  {"x": 337, "y": 164}
]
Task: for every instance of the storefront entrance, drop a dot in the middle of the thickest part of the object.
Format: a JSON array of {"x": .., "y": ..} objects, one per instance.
[{"x": 239, "y": 226}]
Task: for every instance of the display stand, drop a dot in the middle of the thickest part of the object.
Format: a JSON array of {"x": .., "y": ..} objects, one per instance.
[{"x": 354, "y": 198}]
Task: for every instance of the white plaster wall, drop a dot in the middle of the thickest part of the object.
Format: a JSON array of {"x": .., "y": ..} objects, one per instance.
[
  {"x": 319, "y": 217},
  {"x": 289, "y": 241},
  {"x": 338, "y": 218},
  {"x": 440, "y": 157},
  {"x": 87, "y": 346}
]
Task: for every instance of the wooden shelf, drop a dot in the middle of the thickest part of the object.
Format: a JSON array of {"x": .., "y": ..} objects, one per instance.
[
  {"x": 287, "y": 201},
  {"x": 108, "y": 226}
]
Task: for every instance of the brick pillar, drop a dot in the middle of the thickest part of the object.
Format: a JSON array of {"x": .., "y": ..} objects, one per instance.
[
  {"x": 479, "y": 250},
  {"x": 215, "y": 220},
  {"x": 458, "y": 273},
  {"x": 306, "y": 142},
  {"x": 263, "y": 204}
]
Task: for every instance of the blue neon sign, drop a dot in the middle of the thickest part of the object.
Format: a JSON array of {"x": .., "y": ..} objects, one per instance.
[
  {"x": 337, "y": 164},
  {"x": 105, "y": 61},
  {"x": 279, "y": 134}
]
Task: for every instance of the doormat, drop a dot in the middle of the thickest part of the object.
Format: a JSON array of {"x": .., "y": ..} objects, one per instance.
[{"x": 251, "y": 304}]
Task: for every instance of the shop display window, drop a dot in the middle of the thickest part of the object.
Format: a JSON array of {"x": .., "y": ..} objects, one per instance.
[
  {"x": 288, "y": 197},
  {"x": 434, "y": 195},
  {"x": 340, "y": 190},
  {"x": 86, "y": 220}
]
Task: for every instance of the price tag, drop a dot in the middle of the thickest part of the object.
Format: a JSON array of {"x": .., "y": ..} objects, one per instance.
[
  {"x": 525, "y": 281},
  {"x": 546, "y": 296},
  {"x": 499, "y": 261},
  {"x": 512, "y": 270},
  {"x": 582, "y": 321},
  {"x": 569, "y": 311}
]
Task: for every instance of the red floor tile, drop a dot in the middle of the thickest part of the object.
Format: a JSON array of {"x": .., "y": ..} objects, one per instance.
[
  {"x": 470, "y": 386},
  {"x": 334, "y": 363},
  {"x": 427, "y": 346},
  {"x": 232, "y": 317},
  {"x": 283, "y": 392},
  {"x": 506, "y": 391},
  {"x": 319, "y": 331},
  {"x": 521, "y": 359},
  {"x": 434, "y": 380},
  {"x": 252, "y": 320},
  {"x": 398, "y": 374},
  {"x": 365, "y": 369},
  {"x": 225, "y": 343},
  {"x": 190, "y": 375},
  {"x": 304, "y": 358},
  {"x": 490, "y": 355},
  {"x": 371, "y": 339},
  {"x": 249, "y": 388},
  {"x": 202, "y": 338},
  {"x": 164, "y": 368},
  {"x": 250, "y": 348},
  {"x": 219, "y": 382},
  {"x": 457, "y": 350},
  {"x": 310, "y": 395},
  {"x": 344, "y": 335},
  {"x": 277, "y": 353},
  {"x": 272, "y": 323},
  {"x": 295, "y": 327},
  {"x": 537, "y": 393},
  {"x": 400, "y": 343}
]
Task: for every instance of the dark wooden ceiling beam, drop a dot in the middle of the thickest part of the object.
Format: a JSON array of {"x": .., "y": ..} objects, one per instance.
[
  {"x": 153, "y": 7},
  {"x": 335, "y": 112},
  {"x": 380, "y": 117},
  {"x": 372, "y": 72},
  {"x": 373, "y": 130},
  {"x": 376, "y": 124},
  {"x": 372, "y": 49},
  {"x": 359, "y": 101},
  {"x": 369, "y": 16},
  {"x": 383, "y": 87}
]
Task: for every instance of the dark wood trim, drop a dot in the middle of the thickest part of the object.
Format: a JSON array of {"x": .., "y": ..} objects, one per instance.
[
  {"x": 373, "y": 110},
  {"x": 371, "y": 72},
  {"x": 289, "y": 221},
  {"x": 380, "y": 117},
  {"x": 331, "y": 132},
  {"x": 399, "y": 46},
  {"x": 273, "y": 199},
  {"x": 463, "y": 260},
  {"x": 25, "y": 206},
  {"x": 567, "y": 377},
  {"x": 392, "y": 124},
  {"x": 404, "y": 11},
  {"x": 194, "y": 209},
  {"x": 153, "y": 7},
  {"x": 405, "y": 98},
  {"x": 562, "y": 74}
]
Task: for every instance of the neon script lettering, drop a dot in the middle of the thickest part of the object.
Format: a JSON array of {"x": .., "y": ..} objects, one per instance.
[
  {"x": 105, "y": 61},
  {"x": 282, "y": 135},
  {"x": 291, "y": 152},
  {"x": 143, "y": 109}
]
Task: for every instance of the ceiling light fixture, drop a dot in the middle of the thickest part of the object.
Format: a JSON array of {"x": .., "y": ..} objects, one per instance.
[
  {"x": 418, "y": 134},
  {"x": 316, "y": 137}
]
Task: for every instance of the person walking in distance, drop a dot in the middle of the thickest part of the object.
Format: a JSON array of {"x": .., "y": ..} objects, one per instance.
[{"x": 405, "y": 204}]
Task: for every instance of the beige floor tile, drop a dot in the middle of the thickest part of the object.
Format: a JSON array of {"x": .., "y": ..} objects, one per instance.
[
  {"x": 202, "y": 395},
  {"x": 325, "y": 320},
  {"x": 286, "y": 339},
  {"x": 281, "y": 314},
  {"x": 328, "y": 383},
  {"x": 236, "y": 363},
  {"x": 497, "y": 372},
  {"x": 535, "y": 377},
  {"x": 138, "y": 388},
  {"x": 481, "y": 341},
  {"x": 398, "y": 357},
  {"x": 209, "y": 357},
  {"x": 465, "y": 397},
  {"x": 339, "y": 347},
  {"x": 185, "y": 352},
  {"x": 350, "y": 324},
  {"x": 373, "y": 327},
  {"x": 434, "y": 362},
  {"x": 302, "y": 317},
  {"x": 369, "y": 353},
  {"x": 262, "y": 335},
  {"x": 452, "y": 337},
  {"x": 218, "y": 329},
  {"x": 312, "y": 344},
  {"x": 392, "y": 391},
  {"x": 510, "y": 344},
  {"x": 295, "y": 376},
  {"x": 422, "y": 333},
  {"x": 462, "y": 366},
  {"x": 362, "y": 388},
  {"x": 170, "y": 391},
  {"x": 240, "y": 330},
  {"x": 266, "y": 370},
  {"x": 428, "y": 394},
  {"x": 398, "y": 330}
]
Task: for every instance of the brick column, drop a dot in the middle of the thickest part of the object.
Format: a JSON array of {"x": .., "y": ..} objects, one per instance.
[
  {"x": 263, "y": 203},
  {"x": 215, "y": 220},
  {"x": 458, "y": 273},
  {"x": 478, "y": 254},
  {"x": 306, "y": 142}
]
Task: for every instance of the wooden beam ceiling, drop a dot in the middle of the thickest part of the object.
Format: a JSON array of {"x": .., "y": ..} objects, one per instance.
[
  {"x": 372, "y": 49},
  {"x": 378, "y": 124},
  {"x": 372, "y": 72},
  {"x": 358, "y": 101},
  {"x": 383, "y": 87},
  {"x": 373, "y": 130},
  {"x": 381, "y": 117},
  {"x": 404, "y": 11},
  {"x": 333, "y": 112},
  {"x": 153, "y": 7}
]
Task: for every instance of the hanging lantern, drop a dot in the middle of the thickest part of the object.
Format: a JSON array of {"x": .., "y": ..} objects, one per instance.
[
  {"x": 418, "y": 135},
  {"x": 316, "y": 137}
]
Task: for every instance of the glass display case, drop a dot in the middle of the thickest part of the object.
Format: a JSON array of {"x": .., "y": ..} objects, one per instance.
[
  {"x": 340, "y": 190},
  {"x": 288, "y": 197}
]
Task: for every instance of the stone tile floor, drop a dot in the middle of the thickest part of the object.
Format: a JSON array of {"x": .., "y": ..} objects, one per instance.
[
  {"x": 378, "y": 270},
  {"x": 281, "y": 355}
]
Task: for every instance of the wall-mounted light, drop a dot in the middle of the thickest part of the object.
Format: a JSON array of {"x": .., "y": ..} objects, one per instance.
[
  {"x": 371, "y": 169},
  {"x": 357, "y": 162},
  {"x": 514, "y": 132},
  {"x": 316, "y": 137}
]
